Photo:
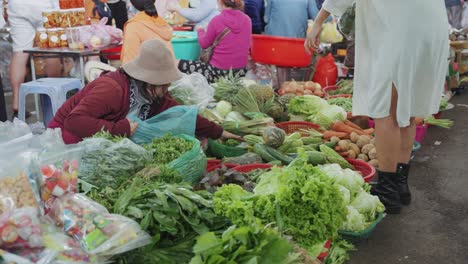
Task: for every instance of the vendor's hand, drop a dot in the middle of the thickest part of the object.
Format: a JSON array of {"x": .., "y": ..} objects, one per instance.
[
  {"x": 227, "y": 135},
  {"x": 133, "y": 127},
  {"x": 313, "y": 38}
]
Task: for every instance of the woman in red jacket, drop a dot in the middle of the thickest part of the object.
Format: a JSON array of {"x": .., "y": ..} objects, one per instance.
[{"x": 140, "y": 87}]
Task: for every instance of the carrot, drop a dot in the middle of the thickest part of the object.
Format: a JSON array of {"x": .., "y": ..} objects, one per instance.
[
  {"x": 343, "y": 154},
  {"x": 330, "y": 134},
  {"x": 369, "y": 131},
  {"x": 353, "y": 125},
  {"x": 337, "y": 149},
  {"x": 419, "y": 120},
  {"x": 341, "y": 127}
]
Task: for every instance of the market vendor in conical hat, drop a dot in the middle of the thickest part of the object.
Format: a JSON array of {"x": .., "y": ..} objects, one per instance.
[{"x": 106, "y": 102}]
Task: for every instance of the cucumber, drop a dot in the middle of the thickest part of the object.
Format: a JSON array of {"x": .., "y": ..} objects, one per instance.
[
  {"x": 311, "y": 140},
  {"x": 331, "y": 144},
  {"x": 279, "y": 155},
  {"x": 293, "y": 136},
  {"x": 286, "y": 146},
  {"x": 316, "y": 158},
  {"x": 275, "y": 163},
  {"x": 263, "y": 152},
  {"x": 252, "y": 139}
]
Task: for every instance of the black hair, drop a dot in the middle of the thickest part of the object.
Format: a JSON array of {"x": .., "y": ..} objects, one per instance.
[
  {"x": 146, "y": 5},
  {"x": 234, "y": 4}
]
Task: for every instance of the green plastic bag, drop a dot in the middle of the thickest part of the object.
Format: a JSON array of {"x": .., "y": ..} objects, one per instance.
[
  {"x": 176, "y": 120},
  {"x": 192, "y": 164},
  {"x": 221, "y": 151}
]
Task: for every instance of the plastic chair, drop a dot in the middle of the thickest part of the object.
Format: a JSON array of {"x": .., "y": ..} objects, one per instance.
[{"x": 53, "y": 94}]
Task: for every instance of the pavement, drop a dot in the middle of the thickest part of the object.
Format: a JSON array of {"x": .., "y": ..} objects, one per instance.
[{"x": 434, "y": 228}]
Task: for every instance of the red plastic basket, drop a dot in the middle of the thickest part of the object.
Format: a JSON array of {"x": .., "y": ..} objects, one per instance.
[
  {"x": 251, "y": 167},
  {"x": 294, "y": 126},
  {"x": 219, "y": 166},
  {"x": 367, "y": 171},
  {"x": 112, "y": 53},
  {"x": 279, "y": 51}
]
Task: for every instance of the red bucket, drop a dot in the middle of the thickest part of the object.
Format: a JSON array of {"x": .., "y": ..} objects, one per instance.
[
  {"x": 279, "y": 51},
  {"x": 367, "y": 171}
]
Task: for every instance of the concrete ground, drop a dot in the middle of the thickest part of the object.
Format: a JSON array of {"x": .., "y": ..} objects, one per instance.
[{"x": 434, "y": 228}]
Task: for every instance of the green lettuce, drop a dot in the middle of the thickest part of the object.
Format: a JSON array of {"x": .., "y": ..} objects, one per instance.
[{"x": 368, "y": 205}]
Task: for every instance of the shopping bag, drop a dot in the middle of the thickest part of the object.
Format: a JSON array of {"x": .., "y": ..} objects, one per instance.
[{"x": 176, "y": 120}]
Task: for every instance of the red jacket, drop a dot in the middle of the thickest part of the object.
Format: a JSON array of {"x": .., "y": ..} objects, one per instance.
[{"x": 104, "y": 103}]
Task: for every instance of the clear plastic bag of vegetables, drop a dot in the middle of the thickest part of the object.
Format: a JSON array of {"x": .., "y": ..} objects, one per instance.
[
  {"x": 107, "y": 163},
  {"x": 347, "y": 23},
  {"x": 192, "y": 164},
  {"x": 192, "y": 89},
  {"x": 176, "y": 120},
  {"x": 97, "y": 231}
]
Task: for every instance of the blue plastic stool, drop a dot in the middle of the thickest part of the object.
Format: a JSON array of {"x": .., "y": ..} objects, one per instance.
[{"x": 53, "y": 94}]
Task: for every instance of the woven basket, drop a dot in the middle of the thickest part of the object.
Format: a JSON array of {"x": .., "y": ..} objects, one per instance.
[{"x": 355, "y": 237}]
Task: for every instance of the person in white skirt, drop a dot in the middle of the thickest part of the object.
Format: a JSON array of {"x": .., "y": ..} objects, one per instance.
[{"x": 402, "y": 53}]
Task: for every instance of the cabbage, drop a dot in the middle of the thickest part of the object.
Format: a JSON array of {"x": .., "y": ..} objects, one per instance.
[
  {"x": 355, "y": 221},
  {"x": 235, "y": 117},
  {"x": 368, "y": 205},
  {"x": 349, "y": 179},
  {"x": 346, "y": 194},
  {"x": 223, "y": 108},
  {"x": 306, "y": 105}
]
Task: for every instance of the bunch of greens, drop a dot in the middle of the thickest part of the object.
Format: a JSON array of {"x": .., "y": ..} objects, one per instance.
[
  {"x": 443, "y": 104},
  {"x": 338, "y": 253},
  {"x": 168, "y": 148},
  {"x": 243, "y": 244},
  {"x": 316, "y": 110},
  {"x": 345, "y": 103},
  {"x": 105, "y": 134},
  {"x": 215, "y": 179},
  {"x": 109, "y": 161},
  {"x": 344, "y": 87},
  {"x": 281, "y": 196}
]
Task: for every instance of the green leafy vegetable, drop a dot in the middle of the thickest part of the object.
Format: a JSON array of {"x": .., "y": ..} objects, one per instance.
[
  {"x": 338, "y": 253},
  {"x": 345, "y": 103},
  {"x": 168, "y": 148}
]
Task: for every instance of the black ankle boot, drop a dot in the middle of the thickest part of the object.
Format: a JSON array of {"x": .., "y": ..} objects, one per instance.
[
  {"x": 403, "y": 188},
  {"x": 387, "y": 191}
]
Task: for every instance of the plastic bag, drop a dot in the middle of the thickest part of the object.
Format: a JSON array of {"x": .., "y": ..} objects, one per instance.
[
  {"x": 58, "y": 174},
  {"x": 330, "y": 33},
  {"x": 100, "y": 35},
  {"x": 191, "y": 164},
  {"x": 347, "y": 23},
  {"x": 192, "y": 89},
  {"x": 21, "y": 229},
  {"x": 11, "y": 130},
  {"x": 176, "y": 120},
  {"x": 107, "y": 164},
  {"x": 16, "y": 184},
  {"x": 97, "y": 231}
]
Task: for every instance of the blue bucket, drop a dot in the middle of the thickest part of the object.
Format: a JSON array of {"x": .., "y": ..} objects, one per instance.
[{"x": 185, "y": 45}]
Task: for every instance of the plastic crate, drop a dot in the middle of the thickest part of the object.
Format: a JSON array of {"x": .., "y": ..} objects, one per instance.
[
  {"x": 185, "y": 45},
  {"x": 355, "y": 237},
  {"x": 294, "y": 126},
  {"x": 279, "y": 51},
  {"x": 219, "y": 166},
  {"x": 367, "y": 171},
  {"x": 251, "y": 167}
]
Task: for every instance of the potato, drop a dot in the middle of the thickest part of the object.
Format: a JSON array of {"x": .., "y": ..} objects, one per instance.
[
  {"x": 355, "y": 148},
  {"x": 351, "y": 154},
  {"x": 354, "y": 137},
  {"x": 344, "y": 145},
  {"x": 335, "y": 139},
  {"x": 374, "y": 163},
  {"x": 363, "y": 157},
  {"x": 367, "y": 148},
  {"x": 372, "y": 154}
]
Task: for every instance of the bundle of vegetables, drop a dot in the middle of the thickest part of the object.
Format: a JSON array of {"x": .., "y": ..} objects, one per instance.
[
  {"x": 316, "y": 110},
  {"x": 281, "y": 196},
  {"x": 362, "y": 207},
  {"x": 430, "y": 120},
  {"x": 168, "y": 148},
  {"x": 255, "y": 127},
  {"x": 344, "y": 129},
  {"x": 108, "y": 161},
  {"x": 338, "y": 253},
  {"x": 242, "y": 244},
  {"x": 344, "y": 102},
  {"x": 226, "y": 88},
  {"x": 301, "y": 88},
  {"x": 443, "y": 104},
  {"x": 344, "y": 87}
]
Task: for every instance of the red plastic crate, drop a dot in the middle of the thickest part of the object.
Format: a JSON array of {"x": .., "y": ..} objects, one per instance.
[{"x": 251, "y": 167}]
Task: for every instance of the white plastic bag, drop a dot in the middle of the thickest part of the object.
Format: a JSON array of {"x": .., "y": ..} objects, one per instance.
[
  {"x": 192, "y": 89},
  {"x": 11, "y": 130}
]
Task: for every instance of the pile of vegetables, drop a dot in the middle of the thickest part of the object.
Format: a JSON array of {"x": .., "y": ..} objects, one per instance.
[
  {"x": 345, "y": 102},
  {"x": 344, "y": 87},
  {"x": 219, "y": 177},
  {"x": 361, "y": 147},
  {"x": 362, "y": 207},
  {"x": 168, "y": 148},
  {"x": 301, "y": 88}
]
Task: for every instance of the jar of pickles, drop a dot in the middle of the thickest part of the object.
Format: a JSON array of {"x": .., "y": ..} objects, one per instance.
[
  {"x": 65, "y": 18},
  {"x": 43, "y": 38},
  {"x": 51, "y": 18},
  {"x": 77, "y": 17},
  {"x": 54, "y": 38},
  {"x": 62, "y": 38}
]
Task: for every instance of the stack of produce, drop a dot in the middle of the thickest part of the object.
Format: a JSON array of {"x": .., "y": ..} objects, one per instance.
[
  {"x": 343, "y": 87},
  {"x": 301, "y": 88}
]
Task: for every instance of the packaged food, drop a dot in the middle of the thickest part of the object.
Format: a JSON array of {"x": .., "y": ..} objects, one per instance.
[
  {"x": 65, "y": 18},
  {"x": 65, "y": 4},
  {"x": 43, "y": 38},
  {"x": 21, "y": 229},
  {"x": 77, "y": 17},
  {"x": 58, "y": 174},
  {"x": 51, "y": 18},
  {"x": 53, "y": 36},
  {"x": 17, "y": 190},
  {"x": 74, "y": 39},
  {"x": 63, "y": 38},
  {"x": 97, "y": 231}
]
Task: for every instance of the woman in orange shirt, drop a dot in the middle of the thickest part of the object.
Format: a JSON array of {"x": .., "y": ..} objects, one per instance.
[{"x": 144, "y": 26}]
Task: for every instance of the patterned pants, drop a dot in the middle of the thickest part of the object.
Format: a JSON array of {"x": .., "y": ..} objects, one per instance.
[{"x": 211, "y": 73}]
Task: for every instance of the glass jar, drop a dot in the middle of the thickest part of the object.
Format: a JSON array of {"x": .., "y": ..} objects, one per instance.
[
  {"x": 43, "y": 38},
  {"x": 73, "y": 37},
  {"x": 79, "y": 18},
  {"x": 51, "y": 19},
  {"x": 65, "y": 18},
  {"x": 62, "y": 38},
  {"x": 54, "y": 38}
]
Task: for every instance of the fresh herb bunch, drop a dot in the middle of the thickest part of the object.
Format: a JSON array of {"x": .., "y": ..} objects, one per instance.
[
  {"x": 105, "y": 134},
  {"x": 168, "y": 148}
]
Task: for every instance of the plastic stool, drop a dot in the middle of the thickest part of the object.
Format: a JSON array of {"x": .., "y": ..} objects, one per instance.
[{"x": 55, "y": 88}]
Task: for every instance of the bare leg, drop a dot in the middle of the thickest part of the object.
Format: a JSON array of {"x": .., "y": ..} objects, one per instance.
[
  {"x": 17, "y": 74},
  {"x": 388, "y": 138}
]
